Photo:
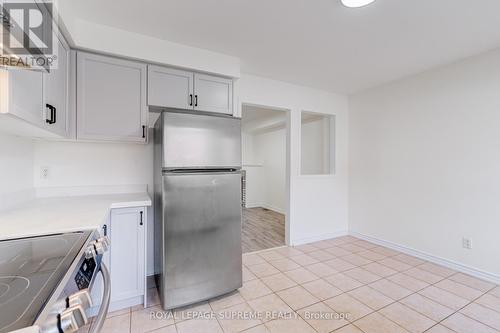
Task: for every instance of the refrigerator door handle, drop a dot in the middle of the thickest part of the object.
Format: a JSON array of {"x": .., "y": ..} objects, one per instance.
[{"x": 201, "y": 172}]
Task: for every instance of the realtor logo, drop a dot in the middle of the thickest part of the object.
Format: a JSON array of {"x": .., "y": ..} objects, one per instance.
[{"x": 26, "y": 34}]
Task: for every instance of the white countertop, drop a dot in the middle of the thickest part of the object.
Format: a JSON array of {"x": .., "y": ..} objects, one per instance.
[{"x": 55, "y": 215}]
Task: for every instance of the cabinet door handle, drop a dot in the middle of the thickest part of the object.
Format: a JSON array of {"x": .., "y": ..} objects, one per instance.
[
  {"x": 105, "y": 230},
  {"x": 195, "y": 100},
  {"x": 143, "y": 131},
  {"x": 48, "y": 120},
  {"x": 141, "y": 223},
  {"x": 52, "y": 119},
  {"x": 190, "y": 99}
]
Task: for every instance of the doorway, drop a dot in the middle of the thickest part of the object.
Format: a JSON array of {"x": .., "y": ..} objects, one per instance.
[{"x": 264, "y": 179}]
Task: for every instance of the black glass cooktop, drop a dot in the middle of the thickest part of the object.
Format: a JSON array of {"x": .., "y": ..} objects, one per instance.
[{"x": 30, "y": 271}]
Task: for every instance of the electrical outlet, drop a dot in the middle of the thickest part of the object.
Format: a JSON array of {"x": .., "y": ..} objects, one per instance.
[
  {"x": 466, "y": 243},
  {"x": 44, "y": 172}
]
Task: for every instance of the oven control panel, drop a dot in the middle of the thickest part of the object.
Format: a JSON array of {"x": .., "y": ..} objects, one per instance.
[{"x": 85, "y": 273}]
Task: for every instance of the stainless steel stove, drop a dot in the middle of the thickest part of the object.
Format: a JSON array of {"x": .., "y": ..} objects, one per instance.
[{"x": 45, "y": 282}]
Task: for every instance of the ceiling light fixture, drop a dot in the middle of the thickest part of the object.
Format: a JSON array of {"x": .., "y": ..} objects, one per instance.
[{"x": 356, "y": 3}]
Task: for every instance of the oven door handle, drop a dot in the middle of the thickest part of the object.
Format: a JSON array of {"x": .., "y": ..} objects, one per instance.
[{"x": 106, "y": 296}]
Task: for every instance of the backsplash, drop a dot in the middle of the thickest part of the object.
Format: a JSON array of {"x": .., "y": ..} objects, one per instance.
[{"x": 16, "y": 170}]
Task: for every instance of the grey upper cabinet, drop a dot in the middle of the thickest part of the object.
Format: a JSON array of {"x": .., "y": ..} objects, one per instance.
[
  {"x": 213, "y": 94},
  {"x": 56, "y": 92},
  {"x": 178, "y": 89},
  {"x": 111, "y": 99},
  {"x": 170, "y": 87}
]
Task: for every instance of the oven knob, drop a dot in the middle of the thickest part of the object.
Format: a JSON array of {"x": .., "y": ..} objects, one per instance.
[
  {"x": 80, "y": 298},
  {"x": 101, "y": 245},
  {"x": 72, "y": 319},
  {"x": 58, "y": 307},
  {"x": 105, "y": 241},
  {"x": 90, "y": 252},
  {"x": 99, "y": 248}
]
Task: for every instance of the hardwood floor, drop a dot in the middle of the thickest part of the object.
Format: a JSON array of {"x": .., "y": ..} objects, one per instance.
[{"x": 262, "y": 229}]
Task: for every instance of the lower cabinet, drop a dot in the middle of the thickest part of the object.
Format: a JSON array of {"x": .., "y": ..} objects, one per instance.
[{"x": 126, "y": 258}]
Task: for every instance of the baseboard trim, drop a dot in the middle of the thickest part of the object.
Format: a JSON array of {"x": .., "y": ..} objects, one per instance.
[
  {"x": 318, "y": 238},
  {"x": 480, "y": 274},
  {"x": 274, "y": 209},
  {"x": 266, "y": 250},
  {"x": 253, "y": 205},
  {"x": 266, "y": 206}
]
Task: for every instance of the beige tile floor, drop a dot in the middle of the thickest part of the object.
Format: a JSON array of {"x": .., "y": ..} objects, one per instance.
[{"x": 343, "y": 285}]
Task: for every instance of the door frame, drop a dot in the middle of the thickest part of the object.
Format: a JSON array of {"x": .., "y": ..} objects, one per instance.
[{"x": 287, "y": 161}]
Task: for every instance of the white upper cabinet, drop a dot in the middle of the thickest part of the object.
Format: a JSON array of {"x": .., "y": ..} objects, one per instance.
[
  {"x": 22, "y": 95},
  {"x": 56, "y": 92},
  {"x": 170, "y": 87},
  {"x": 178, "y": 89},
  {"x": 111, "y": 99},
  {"x": 213, "y": 94},
  {"x": 35, "y": 102}
]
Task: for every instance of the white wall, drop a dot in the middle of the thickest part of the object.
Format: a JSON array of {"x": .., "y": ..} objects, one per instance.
[
  {"x": 318, "y": 204},
  {"x": 95, "y": 167},
  {"x": 253, "y": 167},
  {"x": 16, "y": 170},
  {"x": 93, "y": 164},
  {"x": 264, "y": 156},
  {"x": 425, "y": 162},
  {"x": 315, "y": 147},
  {"x": 248, "y": 156},
  {"x": 271, "y": 147}
]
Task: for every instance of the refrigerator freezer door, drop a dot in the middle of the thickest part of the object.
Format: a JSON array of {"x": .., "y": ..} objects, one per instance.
[
  {"x": 196, "y": 141},
  {"x": 202, "y": 237}
]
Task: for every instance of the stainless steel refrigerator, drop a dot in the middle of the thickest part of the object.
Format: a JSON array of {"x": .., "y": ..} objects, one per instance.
[{"x": 197, "y": 207}]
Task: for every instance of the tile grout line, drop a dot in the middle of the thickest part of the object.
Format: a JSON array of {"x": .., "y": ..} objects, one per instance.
[
  {"x": 367, "y": 285},
  {"x": 295, "y": 311},
  {"x": 417, "y": 292},
  {"x": 394, "y": 301},
  {"x": 344, "y": 292},
  {"x": 130, "y": 321},
  {"x": 222, "y": 309},
  {"x": 473, "y": 302},
  {"x": 385, "y": 277},
  {"x": 363, "y": 285},
  {"x": 458, "y": 311}
]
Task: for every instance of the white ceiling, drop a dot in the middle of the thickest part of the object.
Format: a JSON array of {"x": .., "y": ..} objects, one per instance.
[{"x": 317, "y": 43}]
